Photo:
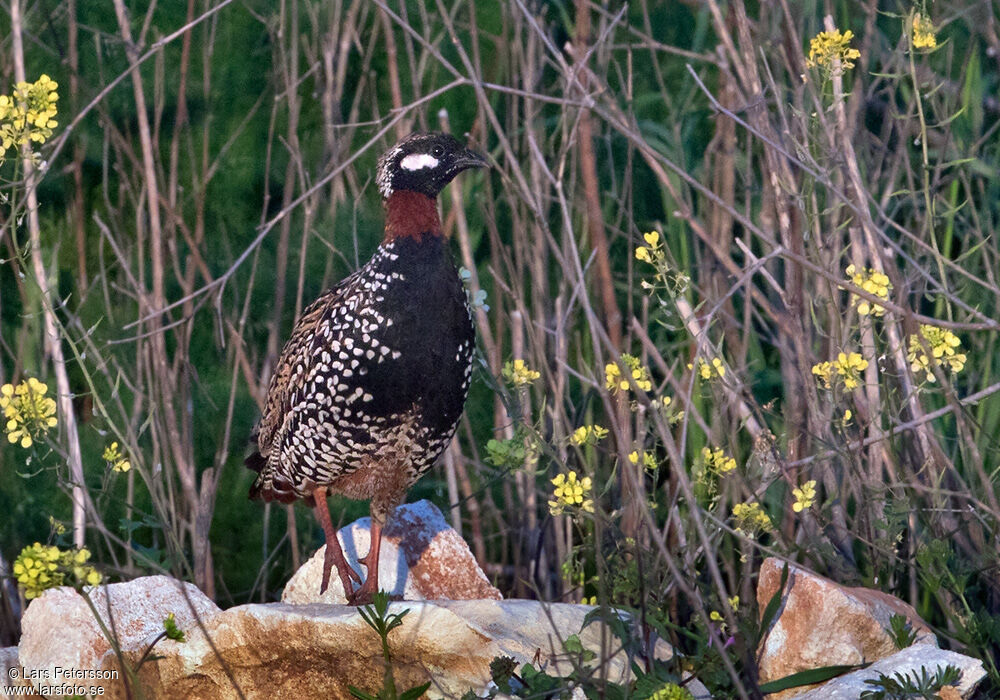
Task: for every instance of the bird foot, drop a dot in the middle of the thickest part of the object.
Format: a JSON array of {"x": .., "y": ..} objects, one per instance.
[{"x": 347, "y": 574}]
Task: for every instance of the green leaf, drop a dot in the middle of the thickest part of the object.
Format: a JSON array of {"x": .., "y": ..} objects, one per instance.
[
  {"x": 771, "y": 609},
  {"x": 360, "y": 694},
  {"x": 415, "y": 692},
  {"x": 171, "y": 629},
  {"x": 809, "y": 677}
]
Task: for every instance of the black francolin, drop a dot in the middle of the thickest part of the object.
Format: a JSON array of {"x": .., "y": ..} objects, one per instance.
[{"x": 370, "y": 386}]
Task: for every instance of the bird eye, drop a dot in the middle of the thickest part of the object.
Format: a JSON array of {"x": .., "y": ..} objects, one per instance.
[{"x": 437, "y": 151}]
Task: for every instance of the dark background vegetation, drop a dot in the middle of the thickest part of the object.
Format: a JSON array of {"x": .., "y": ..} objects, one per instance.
[{"x": 699, "y": 120}]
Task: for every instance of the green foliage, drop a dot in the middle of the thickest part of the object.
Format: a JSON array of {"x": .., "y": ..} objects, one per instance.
[
  {"x": 377, "y": 616},
  {"x": 901, "y": 631},
  {"x": 902, "y": 686},
  {"x": 171, "y": 630}
]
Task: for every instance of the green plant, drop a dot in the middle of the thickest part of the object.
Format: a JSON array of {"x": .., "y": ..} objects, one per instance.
[
  {"x": 378, "y": 617},
  {"x": 901, "y": 631},
  {"x": 900, "y": 686}
]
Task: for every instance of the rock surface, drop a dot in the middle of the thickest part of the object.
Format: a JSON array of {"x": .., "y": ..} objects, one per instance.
[
  {"x": 909, "y": 660},
  {"x": 11, "y": 674},
  {"x": 59, "y": 629},
  {"x": 422, "y": 558},
  {"x": 279, "y": 650},
  {"x": 821, "y": 623}
]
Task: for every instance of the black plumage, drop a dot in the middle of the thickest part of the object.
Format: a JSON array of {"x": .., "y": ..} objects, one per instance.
[{"x": 371, "y": 384}]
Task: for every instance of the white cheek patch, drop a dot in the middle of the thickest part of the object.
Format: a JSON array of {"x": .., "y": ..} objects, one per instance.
[{"x": 418, "y": 161}]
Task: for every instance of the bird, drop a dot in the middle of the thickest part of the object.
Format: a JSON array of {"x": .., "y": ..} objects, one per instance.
[{"x": 371, "y": 384}]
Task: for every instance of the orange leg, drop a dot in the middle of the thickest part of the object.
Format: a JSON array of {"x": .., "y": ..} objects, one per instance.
[
  {"x": 369, "y": 588},
  {"x": 334, "y": 554}
]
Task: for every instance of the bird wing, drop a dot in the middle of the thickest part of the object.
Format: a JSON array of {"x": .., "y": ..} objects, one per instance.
[{"x": 296, "y": 359}]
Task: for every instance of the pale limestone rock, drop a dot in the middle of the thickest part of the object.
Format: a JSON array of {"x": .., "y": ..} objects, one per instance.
[
  {"x": 311, "y": 650},
  {"x": 11, "y": 674},
  {"x": 279, "y": 650},
  {"x": 821, "y": 623},
  {"x": 909, "y": 660},
  {"x": 59, "y": 629},
  {"x": 422, "y": 558}
]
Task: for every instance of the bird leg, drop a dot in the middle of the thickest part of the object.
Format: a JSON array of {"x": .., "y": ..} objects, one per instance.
[
  {"x": 369, "y": 588},
  {"x": 334, "y": 554}
]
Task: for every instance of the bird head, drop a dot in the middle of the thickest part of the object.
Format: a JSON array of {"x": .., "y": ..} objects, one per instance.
[{"x": 424, "y": 163}]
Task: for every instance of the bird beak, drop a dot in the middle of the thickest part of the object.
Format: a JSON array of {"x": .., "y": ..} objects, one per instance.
[{"x": 470, "y": 159}]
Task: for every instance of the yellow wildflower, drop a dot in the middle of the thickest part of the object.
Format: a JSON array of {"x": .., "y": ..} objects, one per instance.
[
  {"x": 56, "y": 526},
  {"x": 41, "y": 567},
  {"x": 923, "y": 32},
  {"x": 653, "y": 254},
  {"x": 711, "y": 370},
  {"x": 614, "y": 380},
  {"x": 28, "y": 413},
  {"x": 115, "y": 459},
  {"x": 671, "y": 691},
  {"x": 847, "y": 369},
  {"x": 570, "y": 492},
  {"x": 944, "y": 347},
  {"x": 588, "y": 435},
  {"x": 28, "y": 114},
  {"x": 751, "y": 519},
  {"x": 717, "y": 460},
  {"x": 648, "y": 459},
  {"x": 519, "y": 374},
  {"x": 804, "y": 496},
  {"x": 873, "y": 282},
  {"x": 826, "y": 48}
]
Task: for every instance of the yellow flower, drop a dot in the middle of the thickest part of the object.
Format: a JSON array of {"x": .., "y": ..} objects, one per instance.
[
  {"x": 923, "y": 32},
  {"x": 28, "y": 412},
  {"x": 28, "y": 114},
  {"x": 751, "y": 519},
  {"x": 648, "y": 459},
  {"x": 875, "y": 283},
  {"x": 41, "y": 567},
  {"x": 588, "y": 435},
  {"x": 115, "y": 459},
  {"x": 734, "y": 603},
  {"x": 944, "y": 347},
  {"x": 826, "y": 48},
  {"x": 848, "y": 414},
  {"x": 824, "y": 371},
  {"x": 804, "y": 496},
  {"x": 706, "y": 370},
  {"x": 570, "y": 492},
  {"x": 671, "y": 691},
  {"x": 615, "y": 382},
  {"x": 717, "y": 460},
  {"x": 846, "y": 369},
  {"x": 652, "y": 254},
  {"x": 519, "y": 374}
]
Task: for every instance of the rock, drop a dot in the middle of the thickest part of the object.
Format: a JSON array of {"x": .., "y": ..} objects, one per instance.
[
  {"x": 280, "y": 650},
  {"x": 8, "y": 660},
  {"x": 12, "y": 675},
  {"x": 59, "y": 630},
  {"x": 909, "y": 660},
  {"x": 821, "y": 623},
  {"x": 309, "y": 651},
  {"x": 422, "y": 558}
]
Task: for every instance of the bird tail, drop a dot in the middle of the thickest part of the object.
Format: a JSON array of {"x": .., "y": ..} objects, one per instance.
[{"x": 256, "y": 462}]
